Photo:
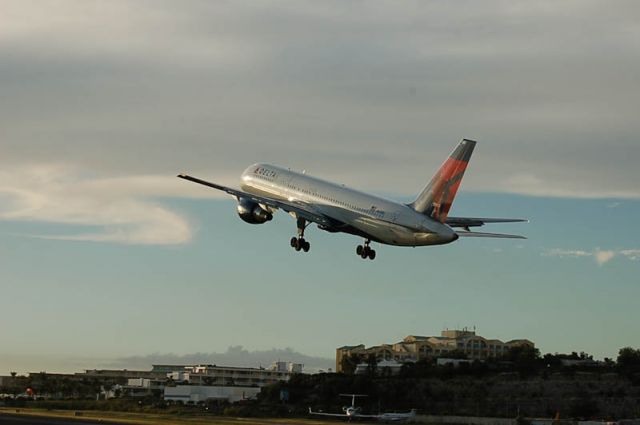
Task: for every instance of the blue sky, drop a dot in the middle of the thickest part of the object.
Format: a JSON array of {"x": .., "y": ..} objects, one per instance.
[
  {"x": 105, "y": 255},
  {"x": 235, "y": 284}
]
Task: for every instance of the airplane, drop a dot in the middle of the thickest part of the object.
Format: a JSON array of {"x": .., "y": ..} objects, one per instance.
[
  {"x": 353, "y": 412},
  {"x": 336, "y": 208}
]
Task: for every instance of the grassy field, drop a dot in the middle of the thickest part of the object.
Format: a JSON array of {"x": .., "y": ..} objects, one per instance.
[{"x": 149, "y": 419}]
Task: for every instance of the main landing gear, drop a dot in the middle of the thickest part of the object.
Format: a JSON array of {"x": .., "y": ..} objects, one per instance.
[
  {"x": 365, "y": 251},
  {"x": 299, "y": 243}
]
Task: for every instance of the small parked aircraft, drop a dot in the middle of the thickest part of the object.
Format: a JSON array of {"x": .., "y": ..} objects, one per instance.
[{"x": 353, "y": 412}]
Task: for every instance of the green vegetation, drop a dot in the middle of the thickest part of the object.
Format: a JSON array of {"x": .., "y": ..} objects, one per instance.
[
  {"x": 522, "y": 382},
  {"x": 629, "y": 362}
]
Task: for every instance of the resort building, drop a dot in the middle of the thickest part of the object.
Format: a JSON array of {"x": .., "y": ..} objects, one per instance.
[{"x": 414, "y": 347}]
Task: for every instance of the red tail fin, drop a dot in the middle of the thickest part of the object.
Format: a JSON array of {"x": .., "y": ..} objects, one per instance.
[{"x": 436, "y": 199}]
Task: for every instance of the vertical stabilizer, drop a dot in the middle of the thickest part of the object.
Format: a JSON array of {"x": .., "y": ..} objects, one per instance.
[{"x": 436, "y": 199}]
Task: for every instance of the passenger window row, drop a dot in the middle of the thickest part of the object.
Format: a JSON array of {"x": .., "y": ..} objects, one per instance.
[{"x": 336, "y": 201}]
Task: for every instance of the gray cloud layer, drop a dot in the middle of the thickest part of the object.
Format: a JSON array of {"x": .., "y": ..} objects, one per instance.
[
  {"x": 367, "y": 93},
  {"x": 234, "y": 356}
]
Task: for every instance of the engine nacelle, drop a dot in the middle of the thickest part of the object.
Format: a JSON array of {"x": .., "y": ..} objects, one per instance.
[{"x": 253, "y": 213}]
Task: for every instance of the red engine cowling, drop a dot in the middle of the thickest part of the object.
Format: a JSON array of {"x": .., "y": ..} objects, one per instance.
[{"x": 252, "y": 213}]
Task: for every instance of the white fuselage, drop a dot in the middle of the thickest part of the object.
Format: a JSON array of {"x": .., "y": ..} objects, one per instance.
[{"x": 371, "y": 216}]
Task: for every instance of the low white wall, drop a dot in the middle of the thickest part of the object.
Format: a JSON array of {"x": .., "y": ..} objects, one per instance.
[{"x": 198, "y": 393}]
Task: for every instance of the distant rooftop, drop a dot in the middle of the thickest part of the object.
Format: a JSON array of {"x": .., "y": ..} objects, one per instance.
[
  {"x": 350, "y": 347},
  {"x": 457, "y": 333}
]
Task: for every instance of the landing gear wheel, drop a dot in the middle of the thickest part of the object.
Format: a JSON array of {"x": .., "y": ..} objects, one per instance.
[
  {"x": 364, "y": 251},
  {"x": 298, "y": 243}
]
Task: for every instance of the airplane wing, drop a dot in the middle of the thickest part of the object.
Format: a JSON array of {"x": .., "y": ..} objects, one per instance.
[
  {"x": 488, "y": 235},
  {"x": 476, "y": 222},
  {"x": 300, "y": 209}
]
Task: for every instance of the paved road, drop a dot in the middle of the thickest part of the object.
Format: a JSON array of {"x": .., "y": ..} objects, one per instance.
[{"x": 39, "y": 420}]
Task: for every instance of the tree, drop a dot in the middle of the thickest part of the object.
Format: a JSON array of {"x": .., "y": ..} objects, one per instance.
[
  {"x": 525, "y": 359},
  {"x": 423, "y": 368},
  {"x": 585, "y": 356},
  {"x": 372, "y": 365},
  {"x": 629, "y": 360},
  {"x": 349, "y": 363},
  {"x": 522, "y": 353}
]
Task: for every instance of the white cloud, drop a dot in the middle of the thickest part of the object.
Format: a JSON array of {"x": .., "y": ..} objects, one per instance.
[
  {"x": 564, "y": 253},
  {"x": 631, "y": 254},
  {"x": 600, "y": 256},
  {"x": 118, "y": 209},
  {"x": 531, "y": 184},
  {"x": 603, "y": 257}
]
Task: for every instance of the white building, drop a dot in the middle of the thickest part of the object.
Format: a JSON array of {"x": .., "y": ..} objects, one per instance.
[
  {"x": 287, "y": 367},
  {"x": 198, "y": 393},
  {"x": 141, "y": 387},
  {"x": 211, "y": 382},
  {"x": 391, "y": 367},
  {"x": 233, "y": 376},
  {"x": 178, "y": 376}
]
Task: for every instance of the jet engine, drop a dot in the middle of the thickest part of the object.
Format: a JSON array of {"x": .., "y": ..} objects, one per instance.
[{"x": 252, "y": 212}]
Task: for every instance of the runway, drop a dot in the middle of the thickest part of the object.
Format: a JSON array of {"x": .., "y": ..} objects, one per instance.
[
  {"x": 40, "y": 420},
  {"x": 23, "y": 418}
]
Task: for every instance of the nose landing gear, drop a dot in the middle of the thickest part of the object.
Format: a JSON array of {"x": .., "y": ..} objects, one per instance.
[{"x": 365, "y": 251}]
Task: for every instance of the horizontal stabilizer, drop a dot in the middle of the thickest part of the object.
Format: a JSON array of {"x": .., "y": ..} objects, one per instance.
[
  {"x": 475, "y": 222},
  {"x": 488, "y": 235}
]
